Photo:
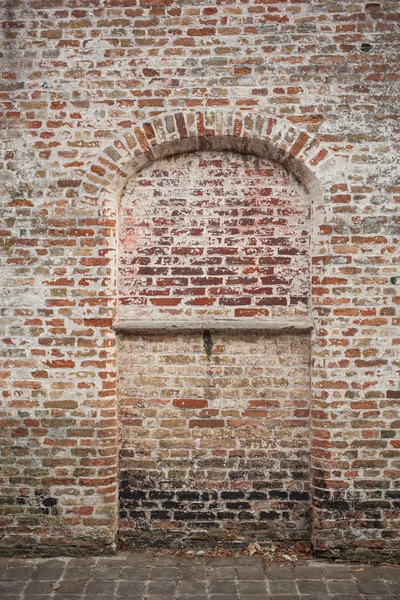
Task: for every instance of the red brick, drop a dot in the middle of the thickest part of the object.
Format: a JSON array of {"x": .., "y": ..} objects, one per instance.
[{"x": 213, "y": 226}]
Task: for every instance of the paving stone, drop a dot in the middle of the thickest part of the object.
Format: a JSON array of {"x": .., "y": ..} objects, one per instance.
[
  {"x": 193, "y": 588},
  {"x": 196, "y": 561},
  {"x": 161, "y": 587},
  {"x": 135, "y": 559},
  {"x": 130, "y": 581},
  {"x": 78, "y": 573},
  {"x": 390, "y": 573},
  {"x": 282, "y": 587},
  {"x": 130, "y": 588},
  {"x": 165, "y": 561},
  {"x": 252, "y": 587},
  {"x": 336, "y": 572},
  {"x": 163, "y": 574},
  {"x": 49, "y": 570},
  {"x": 19, "y": 573},
  {"x": 279, "y": 573},
  {"x": 222, "y": 573},
  {"x": 18, "y": 562},
  {"x": 250, "y": 572},
  {"x": 244, "y": 559},
  {"x": 193, "y": 573},
  {"x": 283, "y": 597},
  {"x": 372, "y": 586},
  {"x": 38, "y": 587},
  {"x": 342, "y": 587},
  {"x": 365, "y": 572},
  {"x": 81, "y": 563},
  {"x": 14, "y": 562},
  {"x": 135, "y": 573},
  {"x": 393, "y": 587},
  {"x": 228, "y": 561},
  {"x": 348, "y": 597},
  {"x": 97, "y": 597},
  {"x": 307, "y": 573},
  {"x": 107, "y": 569},
  {"x": 302, "y": 562},
  {"x": 222, "y": 587},
  {"x": 110, "y": 560},
  {"x": 101, "y": 587},
  {"x": 71, "y": 587},
  {"x": 312, "y": 587},
  {"x": 67, "y": 597}
]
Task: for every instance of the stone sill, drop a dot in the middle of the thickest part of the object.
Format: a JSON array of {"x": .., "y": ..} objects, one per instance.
[{"x": 239, "y": 325}]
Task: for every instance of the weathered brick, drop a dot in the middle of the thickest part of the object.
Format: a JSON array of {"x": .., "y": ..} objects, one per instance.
[
  {"x": 234, "y": 392},
  {"x": 295, "y": 178}
]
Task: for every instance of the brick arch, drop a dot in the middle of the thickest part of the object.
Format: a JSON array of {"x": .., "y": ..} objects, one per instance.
[{"x": 300, "y": 152}]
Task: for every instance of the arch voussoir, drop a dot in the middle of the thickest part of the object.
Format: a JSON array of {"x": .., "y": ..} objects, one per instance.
[{"x": 183, "y": 131}]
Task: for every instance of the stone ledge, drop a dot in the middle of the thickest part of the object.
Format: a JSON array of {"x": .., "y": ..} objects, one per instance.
[{"x": 167, "y": 326}]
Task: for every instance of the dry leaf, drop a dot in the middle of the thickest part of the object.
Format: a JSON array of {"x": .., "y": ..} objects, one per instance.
[
  {"x": 253, "y": 549},
  {"x": 56, "y": 586}
]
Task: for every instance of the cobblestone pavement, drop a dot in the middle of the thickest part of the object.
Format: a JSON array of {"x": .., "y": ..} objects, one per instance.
[{"x": 161, "y": 576}]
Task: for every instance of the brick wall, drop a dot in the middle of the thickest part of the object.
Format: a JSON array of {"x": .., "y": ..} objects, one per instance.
[
  {"x": 214, "y": 438},
  {"x": 213, "y": 234},
  {"x": 214, "y": 429},
  {"x": 92, "y": 91}
]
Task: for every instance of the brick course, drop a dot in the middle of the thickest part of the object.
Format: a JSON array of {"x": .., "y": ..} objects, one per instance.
[{"x": 94, "y": 91}]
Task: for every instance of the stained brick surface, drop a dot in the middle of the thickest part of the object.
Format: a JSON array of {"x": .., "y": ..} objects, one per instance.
[
  {"x": 214, "y": 234},
  {"x": 214, "y": 447},
  {"x": 94, "y": 91}
]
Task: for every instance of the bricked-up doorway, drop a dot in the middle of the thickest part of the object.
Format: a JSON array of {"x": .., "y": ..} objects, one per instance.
[{"x": 213, "y": 405}]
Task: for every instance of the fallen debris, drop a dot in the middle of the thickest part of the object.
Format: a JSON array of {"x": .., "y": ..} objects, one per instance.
[
  {"x": 280, "y": 552},
  {"x": 254, "y": 548}
]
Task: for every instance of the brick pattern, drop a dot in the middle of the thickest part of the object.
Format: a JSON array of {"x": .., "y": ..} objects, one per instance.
[
  {"x": 216, "y": 234},
  {"x": 156, "y": 575},
  {"x": 214, "y": 438},
  {"x": 94, "y": 91}
]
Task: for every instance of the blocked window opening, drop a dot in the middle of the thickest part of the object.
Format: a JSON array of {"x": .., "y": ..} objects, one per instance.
[
  {"x": 217, "y": 234},
  {"x": 214, "y": 438}
]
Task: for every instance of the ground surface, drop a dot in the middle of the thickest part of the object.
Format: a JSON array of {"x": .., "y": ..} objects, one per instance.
[{"x": 161, "y": 576}]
